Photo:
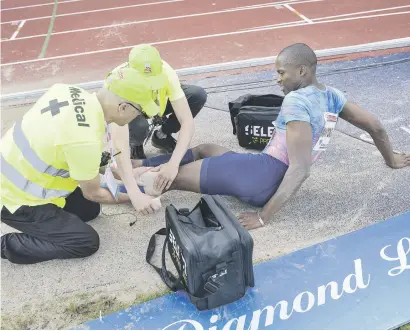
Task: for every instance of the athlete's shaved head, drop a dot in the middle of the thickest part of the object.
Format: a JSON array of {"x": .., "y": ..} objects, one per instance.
[
  {"x": 298, "y": 54},
  {"x": 296, "y": 67}
]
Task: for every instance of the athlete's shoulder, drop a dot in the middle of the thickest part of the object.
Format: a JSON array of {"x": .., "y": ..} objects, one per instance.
[
  {"x": 335, "y": 91},
  {"x": 339, "y": 99},
  {"x": 298, "y": 97}
]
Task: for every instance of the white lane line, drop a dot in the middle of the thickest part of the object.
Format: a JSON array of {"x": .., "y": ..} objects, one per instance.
[
  {"x": 212, "y": 13},
  {"x": 199, "y": 38},
  {"x": 279, "y": 3},
  {"x": 40, "y": 5},
  {"x": 303, "y": 17},
  {"x": 100, "y": 10},
  {"x": 365, "y": 12},
  {"x": 405, "y": 129},
  {"x": 274, "y": 26},
  {"x": 342, "y": 15},
  {"x": 17, "y": 30},
  {"x": 157, "y": 20}
]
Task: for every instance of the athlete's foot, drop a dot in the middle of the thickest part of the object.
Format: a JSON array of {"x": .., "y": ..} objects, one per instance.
[{"x": 146, "y": 179}]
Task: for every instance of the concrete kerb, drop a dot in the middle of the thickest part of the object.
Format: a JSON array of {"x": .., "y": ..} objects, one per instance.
[{"x": 375, "y": 46}]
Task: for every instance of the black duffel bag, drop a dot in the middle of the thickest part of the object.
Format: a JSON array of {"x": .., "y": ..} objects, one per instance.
[
  {"x": 211, "y": 251},
  {"x": 253, "y": 117}
]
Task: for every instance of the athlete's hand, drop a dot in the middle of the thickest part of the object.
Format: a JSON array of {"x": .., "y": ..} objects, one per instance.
[
  {"x": 249, "y": 220},
  {"x": 166, "y": 176},
  {"x": 400, "y": 160},
  {"x": 146, "y": 204}
]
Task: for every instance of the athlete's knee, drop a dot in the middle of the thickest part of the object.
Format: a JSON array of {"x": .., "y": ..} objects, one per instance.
[
  {"x": 200, "y": 151},
  {"x": 207, "y": 150}
]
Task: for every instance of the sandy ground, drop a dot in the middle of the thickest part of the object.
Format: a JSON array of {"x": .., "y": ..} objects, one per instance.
[{"x": 349, "y": 188}]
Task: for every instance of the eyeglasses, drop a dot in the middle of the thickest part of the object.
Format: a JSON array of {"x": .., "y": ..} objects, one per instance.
[{"x": 139, "y": 110}]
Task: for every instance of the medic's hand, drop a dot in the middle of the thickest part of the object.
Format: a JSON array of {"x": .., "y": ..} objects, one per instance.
[
  {"x": 166, "y": 175},
  {"x": 146, "y": 204}
]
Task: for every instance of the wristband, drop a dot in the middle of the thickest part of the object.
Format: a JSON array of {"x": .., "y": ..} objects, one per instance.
[{"x": 260, "y": 219}]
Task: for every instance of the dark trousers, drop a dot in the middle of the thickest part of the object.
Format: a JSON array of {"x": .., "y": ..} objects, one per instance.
[
  {"x": 50, "y": 232},
  {"x": 139, "y": 127}
]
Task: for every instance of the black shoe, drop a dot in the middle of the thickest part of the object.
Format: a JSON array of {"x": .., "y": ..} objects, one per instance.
[
  {"x": 137, "y": 152},
  {"x": 167, "y": 144}
]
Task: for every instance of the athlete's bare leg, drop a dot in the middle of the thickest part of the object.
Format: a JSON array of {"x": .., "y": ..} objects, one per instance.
[{"x": 188, "y": 178}]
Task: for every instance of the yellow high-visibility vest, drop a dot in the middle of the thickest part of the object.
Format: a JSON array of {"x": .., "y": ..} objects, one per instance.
[{"x": 34, "y": 168}]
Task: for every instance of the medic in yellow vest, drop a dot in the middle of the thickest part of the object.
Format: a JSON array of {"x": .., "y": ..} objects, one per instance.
[
  {"x": 50, "y": 160},
  {"x": 178, "y": 105}
]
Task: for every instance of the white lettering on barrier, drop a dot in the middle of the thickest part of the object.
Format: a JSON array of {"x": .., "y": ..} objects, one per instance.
[
  {"x": 297, "y": 303},
  {"x": 321, "y": 297},
  {"x": 401, "y": 257},
  {"x": 284, "y": 314},
  {"x": 240, "y": 323}
]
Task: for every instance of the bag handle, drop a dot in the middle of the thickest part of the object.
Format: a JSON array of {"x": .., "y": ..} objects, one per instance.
[
  {"x": 167, "y": 277},
  {"x": 187, "y": 219}
]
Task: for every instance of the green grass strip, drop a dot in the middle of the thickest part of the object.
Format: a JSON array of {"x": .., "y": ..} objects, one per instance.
[{"x": 50, "y": 29}]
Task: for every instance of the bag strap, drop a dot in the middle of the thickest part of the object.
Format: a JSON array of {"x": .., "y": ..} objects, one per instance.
[
  {"x": 213, "y": 282},
  {"x": 167, "y": 277}
]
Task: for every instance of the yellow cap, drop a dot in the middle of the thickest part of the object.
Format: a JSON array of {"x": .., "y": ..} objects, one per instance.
[
  {"x": 147, "y": 61},
  {"x": 131, "y": 86}
]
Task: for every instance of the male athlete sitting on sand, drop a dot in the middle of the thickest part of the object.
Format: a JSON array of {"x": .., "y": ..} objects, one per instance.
[{"x": 309, "y": 113}]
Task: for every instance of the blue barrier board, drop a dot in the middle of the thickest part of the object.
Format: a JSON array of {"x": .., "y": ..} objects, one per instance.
[{"x": 360, "y": 280}]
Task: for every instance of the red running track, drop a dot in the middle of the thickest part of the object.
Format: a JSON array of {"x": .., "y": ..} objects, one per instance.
[{"x": 91, "y": 37}]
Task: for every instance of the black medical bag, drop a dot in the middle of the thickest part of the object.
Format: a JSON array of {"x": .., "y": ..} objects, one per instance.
[
  {"x": 210, "y": 250},
  {"x": 253, "y": 117}
]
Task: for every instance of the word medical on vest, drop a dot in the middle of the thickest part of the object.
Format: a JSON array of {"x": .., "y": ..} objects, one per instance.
[{"x": 77, "y": 102}]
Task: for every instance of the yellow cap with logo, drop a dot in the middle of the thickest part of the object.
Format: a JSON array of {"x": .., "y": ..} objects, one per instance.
[
  {"x": 146, "y": 60},
  {"x": 130, "y": 85}
]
